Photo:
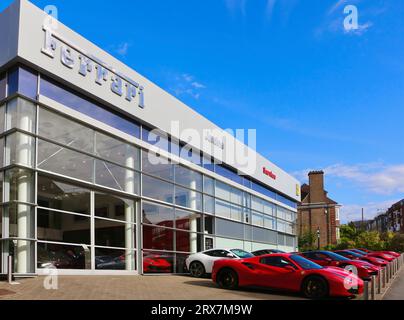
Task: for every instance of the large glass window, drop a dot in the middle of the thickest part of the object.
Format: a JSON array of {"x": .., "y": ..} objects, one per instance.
[
  {"x": 3, "y": 80},
  {"x": 229, "y": 229},
  {"x": 63, "y": 256},
  {"x": 188, "y": 198},
  {"x": 208, "y": 185},
  {"x": 208, "y": 204},
  {"x": 64, "y": 161},
  {"x": 58, "y": 195},
  {"x": 187, "y": 242},
  {"x": 157, "y": 238},
  {"x": 21, "y": 221},
  {"x": 112, "y": 234},
  {"x": 21, "y": 114},
  {"x": 116, "y": 177},
  {"x": 113, "y": 259},
  {"x": 158, "y": 215},
  {"x": 188, "y": 178},
  {"x": 117, "y": 151},
  {"x": 67, "y": 132},
  {"x": 20, "y": 149},
  {"x": 158, "y": 262},
  {"x": 75, "y": 101},
  {"x": 187, "y": 220},
  {"x": 19, "y": 185},
  {"x": 63, "y": 227},
  {"x": 223, "y": 209},
  {"x": 257, "y": 219},
  {"x": 157, "y": 166},
  {"x": 157, "y": 189},
  {"x": 2, "y": 117},
  {"x": 222, "y": 190},
  {"x": 24, "y": 81},
  {"x": 114, "y": 207}
]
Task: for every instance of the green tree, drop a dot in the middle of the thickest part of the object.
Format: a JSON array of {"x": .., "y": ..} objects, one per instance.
[
  {"x": 370, "y": 240},
  {"x": 307, "y": 241},
  {"x": 397, "y": 243}
]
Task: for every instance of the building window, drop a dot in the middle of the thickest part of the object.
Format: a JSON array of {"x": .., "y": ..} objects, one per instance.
[
  {"x": 24, "y": 81},
  {"x": 63, "y": 161},
  {"x": 117, "y": 151},
  {"x": 63, "y": 256},
  {"x": 157, "y": 189},
  {"x": 57, "y": 195},
  {"x": 64, "y": 131},
  {"x": 75, "y": 101},
  {"x": 157, "y": 166},
  {"x": 116, "y": 177},
  {"x": 3, "y": 85},
  {"x": 158, "y": 215},
  {"x": 21, "y": 114}
]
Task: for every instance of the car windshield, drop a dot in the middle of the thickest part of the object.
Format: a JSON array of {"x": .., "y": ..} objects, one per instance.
[
  {"x": 360, "y": 251},
  {"x": 242, "y": 254},
  {"x": 357, "y": 255},
  {"x": 304, "y": 263},
  {"x": 335, "y": 257}
]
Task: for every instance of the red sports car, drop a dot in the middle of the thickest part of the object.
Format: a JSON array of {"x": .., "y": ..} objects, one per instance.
[
  {"x": 289, "y": 272},
  {"x": 365, "y": 270},
  {"x": 391, "y": 253},
  {"x": 356, "y": 256},
  {"x": 381, "y": 255},
  {"x": 156, "y": 263}
]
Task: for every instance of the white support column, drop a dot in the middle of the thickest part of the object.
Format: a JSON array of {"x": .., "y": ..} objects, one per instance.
[
  {"x": 24, "y": 188},
  {"x": 193, "y": 224},
  {"x": 129, "y": 214}
]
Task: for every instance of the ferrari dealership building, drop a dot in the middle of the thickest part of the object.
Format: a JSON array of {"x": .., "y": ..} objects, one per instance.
[{"x": 103, "y": 172}]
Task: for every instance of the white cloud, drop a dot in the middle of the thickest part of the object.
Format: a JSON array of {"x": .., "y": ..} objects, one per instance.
[
  {"x": 353, "y": 212},
  {"x": 337, "y": 5},
  {"x": 123, "y": 49},
  {"x": 185, "y": 84},
  {"x": 377, "y": 178},
  {"x": 198, "y": 85},
  {"x": 361, "y": 29}
]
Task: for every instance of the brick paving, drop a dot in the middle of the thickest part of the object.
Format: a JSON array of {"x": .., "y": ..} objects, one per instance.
[{"x": 132, "y": 288}]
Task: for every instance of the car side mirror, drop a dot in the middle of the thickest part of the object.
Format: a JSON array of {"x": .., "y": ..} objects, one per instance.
[{"x": 230, "y": 255}]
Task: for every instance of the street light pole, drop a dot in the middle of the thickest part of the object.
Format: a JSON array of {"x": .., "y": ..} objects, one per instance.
[{"x": 318, "y": 238}]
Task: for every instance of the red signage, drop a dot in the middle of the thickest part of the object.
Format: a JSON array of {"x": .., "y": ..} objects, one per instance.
[{"x": 269, "y": 173}]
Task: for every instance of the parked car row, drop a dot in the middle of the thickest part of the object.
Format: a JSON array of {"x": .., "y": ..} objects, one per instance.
[{"x": 315, "y": 274}]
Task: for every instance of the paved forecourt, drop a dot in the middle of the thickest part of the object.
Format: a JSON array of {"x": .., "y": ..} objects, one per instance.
[{"x": 133, "y": 288}]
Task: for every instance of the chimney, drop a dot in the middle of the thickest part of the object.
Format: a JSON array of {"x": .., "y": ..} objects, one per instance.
[{"x": 316, "y": 183}]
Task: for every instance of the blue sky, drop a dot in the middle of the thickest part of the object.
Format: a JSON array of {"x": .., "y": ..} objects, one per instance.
[{"x": 320, "y": 97}]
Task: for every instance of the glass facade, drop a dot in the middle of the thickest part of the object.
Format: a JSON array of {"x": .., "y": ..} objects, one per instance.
[{"x": 74, "y": 197}]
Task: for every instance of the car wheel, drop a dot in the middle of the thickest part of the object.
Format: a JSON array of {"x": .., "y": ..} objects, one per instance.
[
  {"x": 196, "y": 269},
  {"x": 315, "y": 288},
  {"x": 227, "y": 279}
]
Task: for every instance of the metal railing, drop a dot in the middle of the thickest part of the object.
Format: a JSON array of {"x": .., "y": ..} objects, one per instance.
[{"x": 378, "y": 284}]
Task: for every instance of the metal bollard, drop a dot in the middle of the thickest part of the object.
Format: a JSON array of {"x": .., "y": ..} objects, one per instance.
[
  {"x": 387, "y": 273},
  {"x": 383, "y": 274},
  {"x": 366, "y": 290},
  {"x": 373, "y": 288},
  {"x": 379, "y": 282},
  {"x": 10, "y": 269}
]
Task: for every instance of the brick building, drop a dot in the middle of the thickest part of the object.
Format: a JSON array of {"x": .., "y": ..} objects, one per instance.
[
  {"x": 395, "y": 217},
  {"x": 317, "y": 212}
]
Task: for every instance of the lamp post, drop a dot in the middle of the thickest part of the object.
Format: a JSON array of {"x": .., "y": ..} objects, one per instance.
[{"x": 318, "y": 238}]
